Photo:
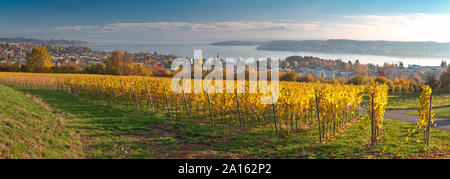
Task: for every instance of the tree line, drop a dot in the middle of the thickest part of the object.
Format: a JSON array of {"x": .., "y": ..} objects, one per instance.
[
  {"x": 118, "y": 63},
  {"x": 398, "y": 85}
]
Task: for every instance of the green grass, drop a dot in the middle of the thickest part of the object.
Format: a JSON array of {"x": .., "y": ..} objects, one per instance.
[
  {"x": 410, "y": 101},
  {"x": 105, "y": 130},
  {"x": 440, "y": 112},
  {"x": 351, "y": 144},
  {"x": 110, "y": 131},
  {"x": 118, "y": 132},
  {"x": 30, "y": 130}
]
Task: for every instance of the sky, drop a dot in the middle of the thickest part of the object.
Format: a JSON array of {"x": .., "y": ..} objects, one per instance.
[{"x": 190, "y": 21}]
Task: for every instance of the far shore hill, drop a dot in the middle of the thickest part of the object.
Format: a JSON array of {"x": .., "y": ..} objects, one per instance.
[
  {"x": 342, "y": 46},
  {"x": 35, "y": 41}
]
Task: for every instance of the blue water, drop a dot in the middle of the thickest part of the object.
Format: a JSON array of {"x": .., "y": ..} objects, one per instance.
[{"x": 187, "y": 50}]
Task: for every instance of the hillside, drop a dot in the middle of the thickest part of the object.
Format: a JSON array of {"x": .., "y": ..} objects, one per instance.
[
  {"x": 237, "y": 43},
  {"x": 386, "y": 48},
  {"x": 33, "y": 41},
  {"x": 28, "y": 129}
]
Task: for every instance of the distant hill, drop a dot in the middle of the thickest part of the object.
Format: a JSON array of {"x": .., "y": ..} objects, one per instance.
[
  {"x": 45, "y": 42},
  {"x": 237, "y": 43},
  {"x": 386, "y": 48}
]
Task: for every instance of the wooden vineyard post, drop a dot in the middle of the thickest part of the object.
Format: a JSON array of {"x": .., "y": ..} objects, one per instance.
[
  {"x": 175, "y": 114},
  {"x": 105, "y": 93},
  {"x": 80, "y": 88},
  {"x": 63, "y": 86},
  {"x": 185, "y": 104},
  {"x": 167, "y": 101},
  {"x": 429, "y": 123},
  {"x": 334, "y": 124},
  {"x": 113, "y": 92},
  {"x": 372, "y": 141},
  {"x": 149, "y": 97},
  {"x": 96, "y": 89},
  {"x": 60, "y": 85},
  {"x": 253, "y": 119},
  {"x": 55, "y": 86},
  {"x": 34, "y": 83},
  {"x": 274, "y": 115},
  {"x": 71, "y": 87},
  {"x": 291, "y": 116},
  {"x": 103, "y": 90},
  {"x": 47, "y": 84},
  {"x": 75, "y": 90},
  {"x": 238, "y": 110},
  {"x": 209, "y": 105},
  {"x": 135, "y": 96},
  {"x": 244, "y": 119},
  {"x": 123, "y": 93},
  {"x": 318, "y": 117}
]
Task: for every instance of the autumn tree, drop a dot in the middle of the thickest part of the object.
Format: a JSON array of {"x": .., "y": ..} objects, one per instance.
[
  {"x": 139, "y": 70},
  {"x": 159, "y": 71},
  {"x": 38, "y": 60},
  {"x": 95, "y": 68},
  {"x": 10, "y": 66},
  {"x": 404, "y": 83},
  {"x": 287, "y": 64},
  {"x": 444, "y": 81},
  {"x": 397, "y": 85},
  {"x": 289, "y": 76},
  {"x": 417, "y": 78},
  {"x": 433, "y": 82},
  {"x": 71, "y": 68},
  {"x": 119, "y": 63},
  {"x": 381, "y": 73},
  {"x": 358, "y": 80},
  {"x": 381, "y": 79},
  {"x": 307, "y": 78},
  {"x": 295, "y": 63}
]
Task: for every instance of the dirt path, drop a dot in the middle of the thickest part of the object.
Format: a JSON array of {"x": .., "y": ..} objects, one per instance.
[{"x": 401, "y": 115}]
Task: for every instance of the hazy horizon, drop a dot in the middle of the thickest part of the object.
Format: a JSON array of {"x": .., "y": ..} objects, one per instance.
[{"x": 134, "y": 42}]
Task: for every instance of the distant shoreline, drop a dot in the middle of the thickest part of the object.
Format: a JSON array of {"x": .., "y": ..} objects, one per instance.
[
  {"x": 237, "y": 43},
  {"x": 340, "y": 46},
  {"x": 34, "y": 41}
]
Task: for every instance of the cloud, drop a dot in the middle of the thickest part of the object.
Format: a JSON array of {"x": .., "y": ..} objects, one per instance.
[
  {"x": 76, "y": 28},
  {"x": 402, "y": 27},
  {"x": 196, "y": 27},
  {"x": 411, "y": 27}
]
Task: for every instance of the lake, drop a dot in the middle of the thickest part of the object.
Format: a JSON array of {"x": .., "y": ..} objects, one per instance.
[{"x": 187, "y": 50}]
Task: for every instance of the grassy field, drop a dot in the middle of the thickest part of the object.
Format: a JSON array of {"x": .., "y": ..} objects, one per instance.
[
  {"x": 439, "y": 112},
  {"x": 30, "y": 129},
  {"x": 118, "y": 132},
  {"x": 408, "y": 101},
  {"x": 442, "y": 113}
]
